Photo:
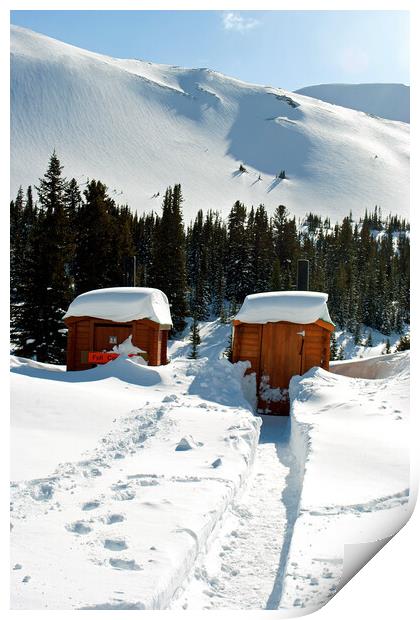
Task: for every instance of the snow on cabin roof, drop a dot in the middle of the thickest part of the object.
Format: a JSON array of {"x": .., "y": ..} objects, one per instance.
[
  {"x": 123, "y": 304},
  {"x": 293, "y": 306}
]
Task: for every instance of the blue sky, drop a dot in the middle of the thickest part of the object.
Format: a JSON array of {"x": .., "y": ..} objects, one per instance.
[{"x": 289, "y": 49}]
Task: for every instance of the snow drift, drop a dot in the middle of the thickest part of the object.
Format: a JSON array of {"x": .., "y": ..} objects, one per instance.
[
  {"x": 353, "y": 438},
  {"x": 140, "y": 127}
]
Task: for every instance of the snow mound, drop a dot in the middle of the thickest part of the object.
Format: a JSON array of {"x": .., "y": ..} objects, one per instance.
[
  {"x": 129, "y": 370},
  {"x": 378, "y": 367},
  {"x": 123, "y": 304},
  {"x": 353, "y": 438},
  {"x": 128, "y": 348},
  {"x": 293, "y": 306}
]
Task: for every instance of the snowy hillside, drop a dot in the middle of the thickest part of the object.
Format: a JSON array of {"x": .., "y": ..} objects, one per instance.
[
  {"x": 391, "y": 101},
  {"x": 137, "y": 487},
  {"x": 140, "y": 127}
]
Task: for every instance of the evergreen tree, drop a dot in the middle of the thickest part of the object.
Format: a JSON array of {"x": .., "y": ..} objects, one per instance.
[
  {"x": 94, "y": 247},
  {"x": 357, "y": 335},
  {"x": 233, "y": 308},
  {"x": 50, "y": 268},
  {"x": 169, "y": 261},
  {"x": 404, "y": 343},
  {"x": 260, "y": 251},
  {"x": 198, "y": 238},
  {"x": 333, "y": 348},
  {"x": 144, "y": 230},
  {"x": 228, "y": 352},
  {"x": 286, "y": 245},
  {"x": 387, "y": 348},
  {"x": 237, "y": 261},
  {"x": 369, "y": 340},
  {"x": 195, "y": 339},
  {"x": 223, "y": 316},
  {"x": 275, "y": 282}
]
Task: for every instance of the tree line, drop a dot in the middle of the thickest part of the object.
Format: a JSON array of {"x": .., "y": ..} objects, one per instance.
[{"x": 69, "y": 240}]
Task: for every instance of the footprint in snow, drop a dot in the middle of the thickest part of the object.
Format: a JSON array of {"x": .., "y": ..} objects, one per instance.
[
  {"x": 79, "y": 527},
  {"x": 115, "y": 545},
  {"x": 43, "y": 492},
  {"x": 91, "y": 505},
  {"x": 125, "y": 495},
  {"x": 124, "y": 564},
  {"x": 114, "y": 518}
]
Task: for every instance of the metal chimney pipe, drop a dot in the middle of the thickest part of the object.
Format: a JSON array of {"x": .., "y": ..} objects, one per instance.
[{"x": 302, "y": 275}]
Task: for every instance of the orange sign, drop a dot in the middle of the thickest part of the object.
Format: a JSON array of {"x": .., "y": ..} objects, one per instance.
[
  {"x": 102, "y": 357},
  {"x": 97, "y": 357}
]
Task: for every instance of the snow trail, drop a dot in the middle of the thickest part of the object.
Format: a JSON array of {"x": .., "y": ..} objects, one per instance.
[
  {"x": 290, "y": 496},
  {"x": 245, "y": 565}
]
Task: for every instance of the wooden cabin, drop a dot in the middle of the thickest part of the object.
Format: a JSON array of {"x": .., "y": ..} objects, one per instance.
[
  {"x": 107, "y": 322},
  {"x": 281, "y": 334}
]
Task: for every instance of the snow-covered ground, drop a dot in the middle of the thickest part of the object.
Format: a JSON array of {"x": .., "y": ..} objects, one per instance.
[
  {"x": 138, "y": 487},
  {"x": 352, "y": 434},
  {"x": 350, "y": 350},
  {"x": 119, "y": 525},
  {"x": 140, "y": 127}
]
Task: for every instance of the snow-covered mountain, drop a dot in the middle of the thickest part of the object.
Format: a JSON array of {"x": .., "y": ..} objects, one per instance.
[
  {"x": 140, "y": 127},
  {"x": 391, "y": 101}
]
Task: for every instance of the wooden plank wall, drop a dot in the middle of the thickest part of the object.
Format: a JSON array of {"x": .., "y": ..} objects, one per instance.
[
  {"x": 247, "y": 345},
  {"x": 274, "y": 350},
  {"x": 147, "y": 335}
]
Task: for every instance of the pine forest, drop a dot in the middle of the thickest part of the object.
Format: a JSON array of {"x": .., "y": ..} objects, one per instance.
[{"x": 67, "y": 239}]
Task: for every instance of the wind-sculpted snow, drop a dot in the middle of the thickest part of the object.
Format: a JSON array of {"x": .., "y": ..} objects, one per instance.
[
  {"x": 140, "y": 127},
  {"x": 356, "y": 482}
]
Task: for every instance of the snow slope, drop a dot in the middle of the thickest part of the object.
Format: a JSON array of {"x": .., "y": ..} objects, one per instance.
[
  {"x": 391, "y": 101},
  {"x": 140, "y": 127}
]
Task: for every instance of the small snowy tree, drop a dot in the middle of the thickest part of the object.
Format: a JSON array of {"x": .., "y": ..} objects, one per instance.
[
  {"x": 195, "y": 339},
  {"x": 333, "y": 348},
  {"x": 404, "y": 343},
  {"x": 341, "y": 355},
  {"x": 223, "y": 315},
  {"x": 228, "y": 352},
  {"x": 356, "y": 336},
  {"x": 387, "y": 348},
  {"x": 369, "y": 340},
  {"x": 233, "y": 307}
]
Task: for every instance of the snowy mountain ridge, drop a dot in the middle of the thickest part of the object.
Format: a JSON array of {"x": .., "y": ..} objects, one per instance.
[
  {"x": 391, "y": 101},
  {"x": 140, "y": 127}
]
